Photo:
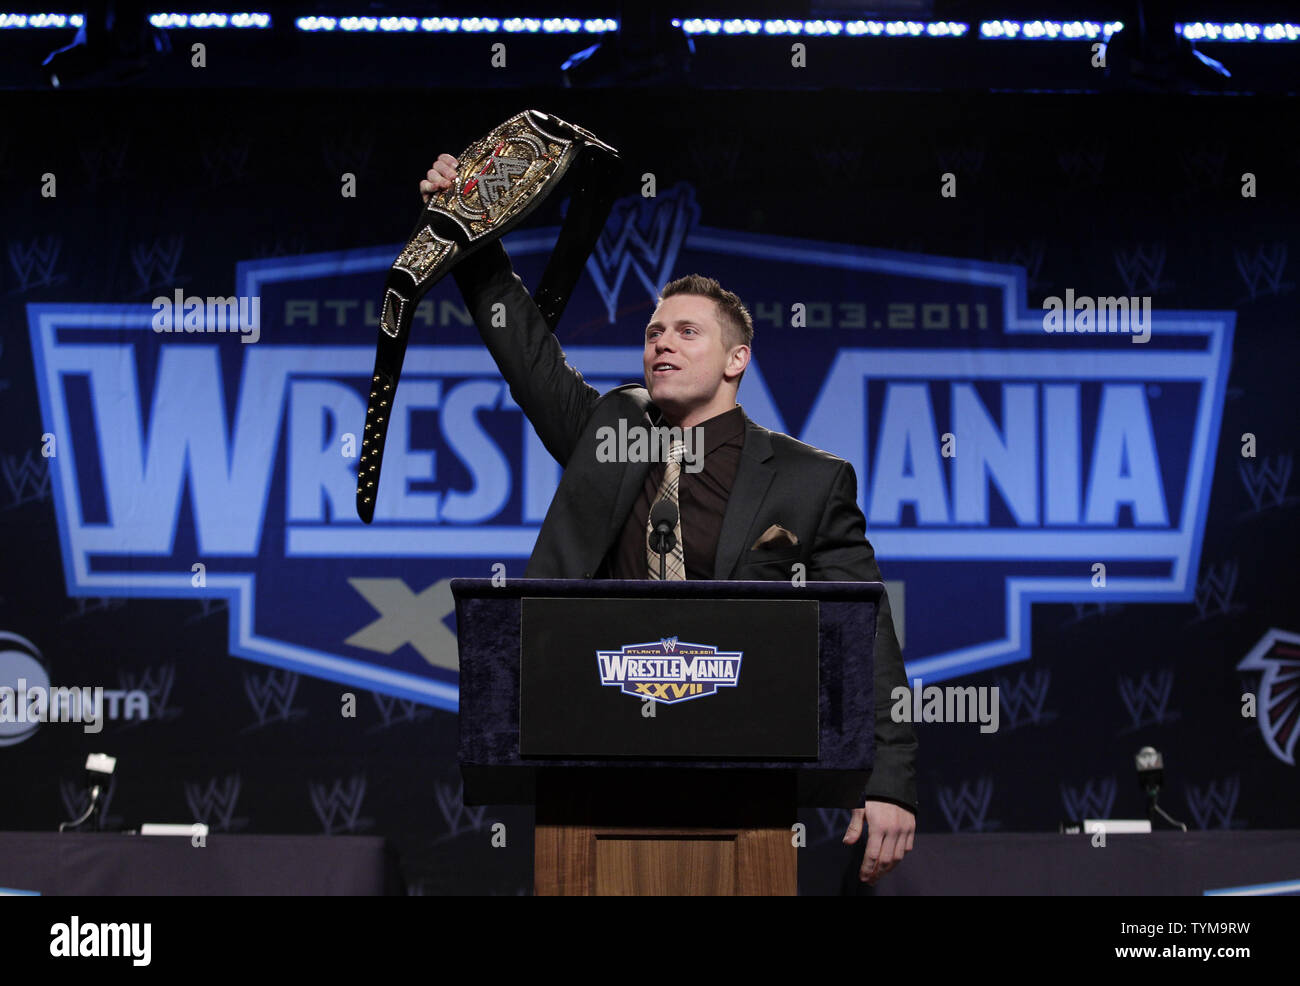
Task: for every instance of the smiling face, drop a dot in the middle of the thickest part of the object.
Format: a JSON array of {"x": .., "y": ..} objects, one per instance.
[{"x": 691, "y": 370}]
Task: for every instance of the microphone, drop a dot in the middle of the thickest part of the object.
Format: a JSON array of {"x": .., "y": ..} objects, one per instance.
[
  {"x": 1151, "y": 770},
  {"x": 1151, "y": 775},
  {"x": 663, "y": 518}
]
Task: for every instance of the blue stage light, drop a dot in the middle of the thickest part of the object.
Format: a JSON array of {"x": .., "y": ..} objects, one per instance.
[
  {"x": 736, "y": 26},
  {"x": 25, "y": 21},
  {"x": 1204, "y": 31},
  {"x": 211, "y": 20},
  {"x": 1009, "y": 30}
]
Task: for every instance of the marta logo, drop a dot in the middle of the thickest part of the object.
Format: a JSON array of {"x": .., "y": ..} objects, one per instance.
[{"x": 668, "y": 671}]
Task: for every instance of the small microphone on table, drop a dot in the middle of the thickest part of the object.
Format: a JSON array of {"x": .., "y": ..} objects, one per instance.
[{"x": 1151, "y": 775}]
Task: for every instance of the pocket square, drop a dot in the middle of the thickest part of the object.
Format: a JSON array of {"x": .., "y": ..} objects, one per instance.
[{"x": 775, "y": 536}]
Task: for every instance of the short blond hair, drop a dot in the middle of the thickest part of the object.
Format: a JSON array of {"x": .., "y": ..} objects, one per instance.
[{"x": 737, "y": 326}]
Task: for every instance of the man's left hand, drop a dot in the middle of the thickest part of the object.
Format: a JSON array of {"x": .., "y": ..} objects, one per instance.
[{"x": 889, "y": 837}]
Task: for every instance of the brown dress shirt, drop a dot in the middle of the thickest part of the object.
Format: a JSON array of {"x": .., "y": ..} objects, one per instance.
[{"x": 702, "y": 497}]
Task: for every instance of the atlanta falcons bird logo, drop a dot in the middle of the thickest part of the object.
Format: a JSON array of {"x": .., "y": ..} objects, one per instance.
[{"x": 1277, "y": 655}]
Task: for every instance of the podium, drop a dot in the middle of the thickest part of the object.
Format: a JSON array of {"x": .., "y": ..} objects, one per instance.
[{"x": 666, "y": 732}]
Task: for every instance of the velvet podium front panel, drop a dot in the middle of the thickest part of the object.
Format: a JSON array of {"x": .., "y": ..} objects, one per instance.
[{"x": 488, "y": 621}]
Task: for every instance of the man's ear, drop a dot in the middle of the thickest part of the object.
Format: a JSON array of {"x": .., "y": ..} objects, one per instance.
[{"x": 737, "y": 362}]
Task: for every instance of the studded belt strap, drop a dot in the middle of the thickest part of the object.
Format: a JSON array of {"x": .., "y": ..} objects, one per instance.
[{"x": 499, "y": 181}]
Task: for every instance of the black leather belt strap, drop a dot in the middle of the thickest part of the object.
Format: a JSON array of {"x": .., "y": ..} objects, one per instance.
[{"x": 500, "y": 180}]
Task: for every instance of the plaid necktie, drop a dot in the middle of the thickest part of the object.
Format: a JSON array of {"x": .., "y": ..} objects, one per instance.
[{"x": 675, "y": 560}]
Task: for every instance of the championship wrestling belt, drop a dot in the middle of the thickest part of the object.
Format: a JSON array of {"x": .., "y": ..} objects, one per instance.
[{"x": 499, "y": 181}]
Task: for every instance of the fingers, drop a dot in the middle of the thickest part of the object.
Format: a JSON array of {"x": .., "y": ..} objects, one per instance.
[
  {"x": 890, "y": 832},
  {"x": 441, "y": 175},
  {"x": 854, "y": 831},
  {"x": 891, "y": 853},
  {"x": 871, "y": 858}
]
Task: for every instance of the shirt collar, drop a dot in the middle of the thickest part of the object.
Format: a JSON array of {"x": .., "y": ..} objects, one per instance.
[{"x": 723, "y": 428}]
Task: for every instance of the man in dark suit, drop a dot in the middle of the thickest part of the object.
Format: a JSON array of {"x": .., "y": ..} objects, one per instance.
[{"x": 753, "y": 505}]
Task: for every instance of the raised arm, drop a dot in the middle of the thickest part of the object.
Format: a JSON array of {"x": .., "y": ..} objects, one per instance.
[{"x": 551, "y": 393}]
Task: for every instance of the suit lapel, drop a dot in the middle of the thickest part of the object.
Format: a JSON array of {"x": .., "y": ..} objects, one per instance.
[
  {"x": 753, "y": 478},
  {"x": 747, "y": 492},
  {"x": 633, "y": 477}
]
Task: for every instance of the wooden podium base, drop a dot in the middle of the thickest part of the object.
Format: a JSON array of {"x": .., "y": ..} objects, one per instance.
[{"x": 698, "y": 832}]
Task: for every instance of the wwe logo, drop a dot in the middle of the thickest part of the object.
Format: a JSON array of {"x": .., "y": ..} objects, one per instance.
[
  {"x": 1147, "y": 699},
  {"x": 1088, "y": 611},
  {"x": 1214, "y": 591},
  {"x": 505, "y": 170},
  {"x": 1266, "y": 479},
  {"x": 157, "y": 685},
  {"x": 105, "y": 158},
  {"x": 1090, "y": 802},
  {"x": 28, "y": 478},
  {"x": 225, "y": 160},
  {"x": 1027, "y": 255},
  {"x": 1265, "y": 267},
  {"x": 156, "y": 263},
  {"x": 83, "y": 606},
  {"x": 1083, "y": 165},
  {"x": 669, "y": 643},
  {"x": 33, "y": 263},
  {"x": 273, "y": 689},
  {"x": 76, "y": 799},
  {"x": 347, "y": 151},
  {"x": 1213, "y": 805},
  {"x": 716, "y": 153},
  {"x": 967, "y": 159},
  {"x": 208, "y": 605},
  {"x": 459, "y": 817},
  {"x": 1022, "y": 701},
  {"x": 339, "y": 806},
  {"x": 291, "y": 246},
  {"x": 1143, "y": 264},
  {"x": 838, "y": 166},
  {"x": 214, "y": 803},
  {"x": 394, "y": 710},
  {"x": 835, "y": 821},
  {"x": 647, "y": 236},
  {"x": 1204, "y": 165},
  {"x": 967, "y": 807}
]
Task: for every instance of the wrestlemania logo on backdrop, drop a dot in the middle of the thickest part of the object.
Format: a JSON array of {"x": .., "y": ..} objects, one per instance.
[{"x": 192, "y": 464}]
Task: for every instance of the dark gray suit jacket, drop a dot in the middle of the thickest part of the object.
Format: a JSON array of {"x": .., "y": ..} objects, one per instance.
[{"x": 780, "y": 481}]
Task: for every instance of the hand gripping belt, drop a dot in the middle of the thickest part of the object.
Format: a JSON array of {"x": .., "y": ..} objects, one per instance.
[{"x": 499, "y": 181}]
